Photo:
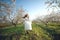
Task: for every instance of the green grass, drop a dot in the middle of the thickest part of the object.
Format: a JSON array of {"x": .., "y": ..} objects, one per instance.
[
  {"x": 39, "y": 32},
  {"x": 11, "y": 30}
]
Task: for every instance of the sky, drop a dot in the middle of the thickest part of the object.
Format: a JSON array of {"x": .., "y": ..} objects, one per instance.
[{"x": 34, "y": 7}]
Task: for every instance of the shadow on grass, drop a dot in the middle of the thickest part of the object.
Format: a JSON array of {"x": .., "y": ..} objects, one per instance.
[
  {"x": 52, "y": 32},
  {"x": 10, "y": 33}
]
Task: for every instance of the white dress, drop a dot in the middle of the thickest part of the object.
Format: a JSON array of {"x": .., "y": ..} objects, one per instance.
[{"x": 27, "y": 24}]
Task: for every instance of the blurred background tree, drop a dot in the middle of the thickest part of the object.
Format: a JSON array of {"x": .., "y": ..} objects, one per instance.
[{"x": 6, "y": 11}]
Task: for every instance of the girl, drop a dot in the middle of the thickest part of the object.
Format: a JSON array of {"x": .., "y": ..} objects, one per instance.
[{"x": 27, "y": 23}]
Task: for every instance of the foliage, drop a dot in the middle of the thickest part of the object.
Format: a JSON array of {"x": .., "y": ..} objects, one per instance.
[
  {"x": 53, "y": 3},
  {"x": 6, "y": 11}
]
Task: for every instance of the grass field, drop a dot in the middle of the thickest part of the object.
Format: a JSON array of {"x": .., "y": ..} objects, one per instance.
[{"x": 39, "y": 32}]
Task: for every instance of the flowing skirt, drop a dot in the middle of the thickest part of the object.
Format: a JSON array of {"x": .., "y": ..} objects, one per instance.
[{"x": 28, "y": 25}]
